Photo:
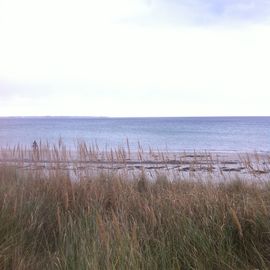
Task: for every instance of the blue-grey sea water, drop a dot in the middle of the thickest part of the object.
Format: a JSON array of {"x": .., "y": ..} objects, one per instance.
[{"x": 172, "y": 134}]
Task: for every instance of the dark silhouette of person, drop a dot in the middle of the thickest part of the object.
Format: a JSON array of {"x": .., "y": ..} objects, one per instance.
[{"x": 35, "y": 145}]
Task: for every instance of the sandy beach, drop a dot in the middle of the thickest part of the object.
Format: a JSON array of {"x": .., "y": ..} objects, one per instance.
[{"x": 172, "y": 164}]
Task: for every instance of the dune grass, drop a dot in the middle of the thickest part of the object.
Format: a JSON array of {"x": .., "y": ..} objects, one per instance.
[{"x": 108, "y": 221}]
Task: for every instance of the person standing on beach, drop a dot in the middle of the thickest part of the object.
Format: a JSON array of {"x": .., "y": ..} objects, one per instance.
[
  {"x": 35, "y": 145},
  {"x": 35, "y": 150}
]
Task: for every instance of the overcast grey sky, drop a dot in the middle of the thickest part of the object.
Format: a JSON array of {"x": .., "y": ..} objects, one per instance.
[{"x": 134, "y": 57}]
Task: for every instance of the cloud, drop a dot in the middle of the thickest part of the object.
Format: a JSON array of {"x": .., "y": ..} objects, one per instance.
[
  {"x": 206, "y": 12},
  {"x": 134, "y": 57}
]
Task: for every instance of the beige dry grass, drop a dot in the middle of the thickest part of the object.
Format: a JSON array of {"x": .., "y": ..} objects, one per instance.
[{"x": 115, "y": 220}]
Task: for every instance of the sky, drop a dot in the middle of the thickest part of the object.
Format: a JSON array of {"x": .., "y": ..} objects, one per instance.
[{"x": 134, "y": 58}]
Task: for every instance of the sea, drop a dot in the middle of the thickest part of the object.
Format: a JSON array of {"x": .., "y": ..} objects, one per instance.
[{"x": 225, "y": 134}]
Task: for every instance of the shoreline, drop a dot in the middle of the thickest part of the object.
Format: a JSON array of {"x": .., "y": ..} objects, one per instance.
[{"x": 153, "y": 163}]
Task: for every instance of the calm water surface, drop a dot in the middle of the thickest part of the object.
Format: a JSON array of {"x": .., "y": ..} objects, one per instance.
[{"x": 172, "y": 134}]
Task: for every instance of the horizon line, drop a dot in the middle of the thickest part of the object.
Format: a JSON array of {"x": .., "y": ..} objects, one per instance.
[{"x": 91, "y": 116}]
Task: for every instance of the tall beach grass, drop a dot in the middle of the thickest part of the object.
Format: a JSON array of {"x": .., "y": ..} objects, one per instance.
[{"x": 109, "y": 220}]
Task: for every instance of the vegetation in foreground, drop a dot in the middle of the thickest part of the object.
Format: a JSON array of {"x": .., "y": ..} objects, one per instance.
[{"x": 109, "y": 222}]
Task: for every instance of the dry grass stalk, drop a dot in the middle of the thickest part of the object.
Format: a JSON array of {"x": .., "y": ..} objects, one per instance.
[
  {"x": 58, "y": 218},
  {"x": 236, "y": 222},
  {"x": 101, "y": 230}
]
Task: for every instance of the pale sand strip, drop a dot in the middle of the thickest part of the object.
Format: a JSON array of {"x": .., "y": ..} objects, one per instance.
[{"x": 181, "y": 163}]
